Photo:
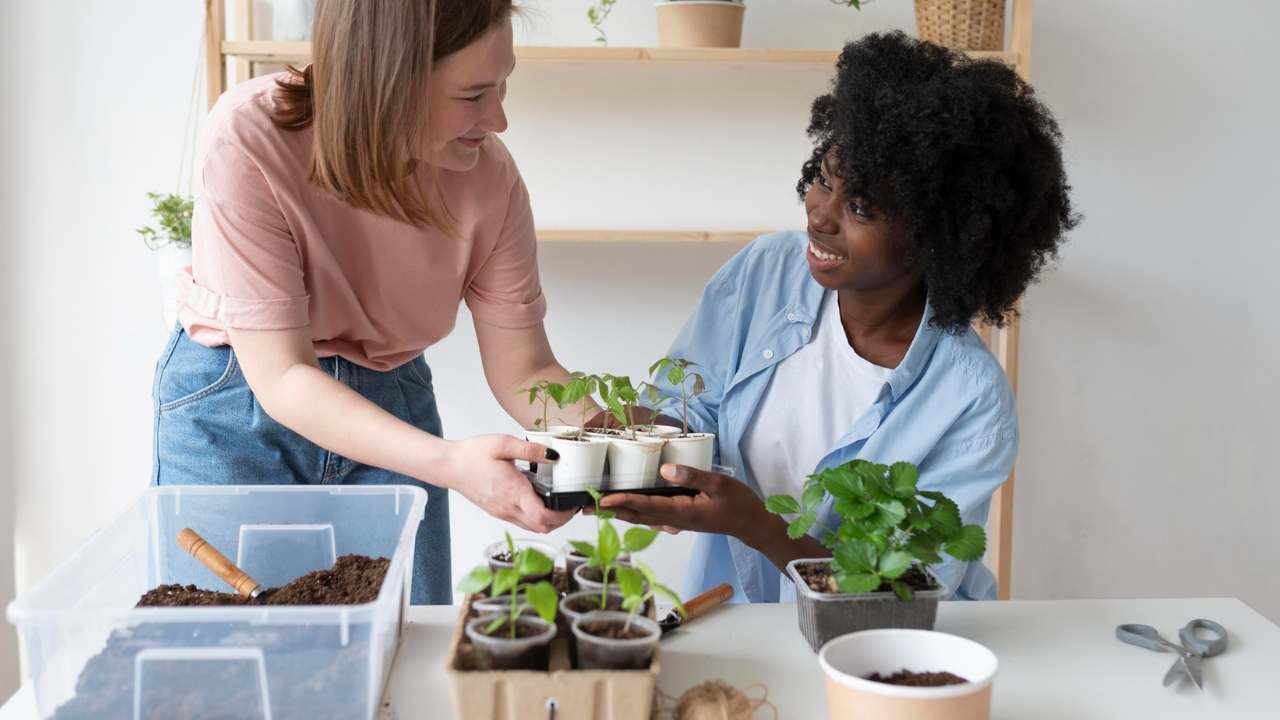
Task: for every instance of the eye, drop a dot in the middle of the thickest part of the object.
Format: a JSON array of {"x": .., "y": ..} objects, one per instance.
[
  {"x": 823, "y": 182},
  {"x": 861, "y": 210},
  {"x": 474, "y": 99}
]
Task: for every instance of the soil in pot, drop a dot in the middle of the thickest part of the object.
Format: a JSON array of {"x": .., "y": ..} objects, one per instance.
[
  {"x": 917, "y": 679},
  {"x": 820, "y": 578},
  {"x": 105, "y": 688}
]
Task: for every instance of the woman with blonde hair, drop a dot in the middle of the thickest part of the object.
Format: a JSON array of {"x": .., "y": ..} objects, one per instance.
[{"x": 347, "y": 209}]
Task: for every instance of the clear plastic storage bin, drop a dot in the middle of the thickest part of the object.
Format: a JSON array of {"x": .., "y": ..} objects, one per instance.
[{"x": 92, "y": 654}]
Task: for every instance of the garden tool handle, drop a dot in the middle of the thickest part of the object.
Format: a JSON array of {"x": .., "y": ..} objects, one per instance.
[
  {"x": 218, "y": 563},
  {"x": 703, "y": 603}
]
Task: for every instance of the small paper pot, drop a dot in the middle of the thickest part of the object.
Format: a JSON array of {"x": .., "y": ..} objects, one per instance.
[
  {"x": 634, "y": 463},
  {"x": 700, "y": 23},
  {"x": 694, "y": 450},
  {"x": 501, "y": 546},
  {"x": 500, "y": 652},
  {"x": 544, "y": 438},
  {"x": 848, "y": 659},
  {"x": 658, "y": 431},
  {"x": 572, "y": 561},
  {"x": 823, "y": 616},
  {"x": 575, "y": 605},
  {"x": 602, "y": 653},
  {"x": 581, "y": 461}
]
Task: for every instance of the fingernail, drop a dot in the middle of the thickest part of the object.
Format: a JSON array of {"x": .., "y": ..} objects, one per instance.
[{"x": 551, "y": 454}]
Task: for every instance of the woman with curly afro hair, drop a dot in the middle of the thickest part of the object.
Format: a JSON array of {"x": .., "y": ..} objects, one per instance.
[{"x": 935, "y": 195}]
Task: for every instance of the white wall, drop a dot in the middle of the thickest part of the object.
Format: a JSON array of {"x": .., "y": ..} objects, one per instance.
[{"x": 1144, "y": 389}]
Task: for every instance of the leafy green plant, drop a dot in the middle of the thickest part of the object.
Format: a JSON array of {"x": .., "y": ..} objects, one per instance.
[
  {"x": 173, "y": 215},
  {"x": 632, "y": 581},
  {"x": 855, "y": 4},
  {"x": 887, "y": 525},
  {"x": 528, "y": 562},
  {"x": 597, "y": 14},
  {"x": 543, "y": 391},
  {"x": 679, "y": 372},
  {"x": 622, "y": 399},
  {"x": 578, "y": 391},
  {"x": 608, "y": 548}
]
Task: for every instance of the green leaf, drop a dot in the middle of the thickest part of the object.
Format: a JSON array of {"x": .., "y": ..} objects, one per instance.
[
  {"x": 607, "y": 544},
  {"x": 544, "y": 598},
  {"x": 782, "y": 505},
  {"x": 531, "y": 563},
  {"x": 856, "y": 556},
  {"x": 585, "y": 549},
  {"x": 632, "y": 603},
  {"x": 902, "y": 479},
  {"x": 800, "y": 526},
  {"x": 630, "y": 581},
  {"x": 843, "y": 483},
  {"x": 476, "y": 580},
  {"x": 853, "y": 509},
  {"x": 699, "y": 386},
  {"x": 902, "y": 590},
  {"x": 659, "y": 366},
  {"x": 813, "y": 495},
  {"x": 893, "y": 563},
  {"x": 924, "y": 546},
  {"x": 944, "y": 516},
  {"x": 969, "y": 545},
  {"x": 504, "y": 580},
  {"x": 857, "y": 582},
  {"x": 606, "y": 515},
  {"x": 671, "y": 595},
  {"x": 638, "y": 538},
  {"x": 893, "y": 511},
  {"x": 646, "y": 571},
  {"x": 494, "y": 624},
  {"x": 595, "y": 495}
]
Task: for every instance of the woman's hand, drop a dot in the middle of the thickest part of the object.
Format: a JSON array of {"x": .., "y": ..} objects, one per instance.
[
  {"x": 480, "y": 468},
  {"x": 723, "y": 505}
]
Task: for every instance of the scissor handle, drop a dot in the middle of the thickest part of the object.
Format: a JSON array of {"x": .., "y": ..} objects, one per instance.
[
  {"x": 1202, "y": 646},
  {"x": 1145, "y": 636}
]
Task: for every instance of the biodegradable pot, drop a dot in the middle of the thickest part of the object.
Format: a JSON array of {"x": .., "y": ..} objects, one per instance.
[
  {"x": 544, "y": 438},
  {"x": 700, "y": 23},
  {"x": 572, "y": 561},
  {"x": 634, "y": 463},
  {"x": 500, "y": 652},
  {"x": 824, "y": 616},
  {"x": 849, "y": 659},
  {"x": 603, "y": 653},
  {"x": 658, "y": 431},
  {"x": 694, "y": 450},
  {"x": 581, "y": 461},
  {"x": 500, "y": 547}
]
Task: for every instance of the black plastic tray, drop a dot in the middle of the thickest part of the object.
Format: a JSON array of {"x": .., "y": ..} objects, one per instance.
[{"x": 573, "y": 498}]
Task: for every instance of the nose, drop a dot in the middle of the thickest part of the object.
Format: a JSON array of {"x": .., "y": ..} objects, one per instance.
[
  {"x": 824, "y": 214},
  {"x": 495, "y": 118}
]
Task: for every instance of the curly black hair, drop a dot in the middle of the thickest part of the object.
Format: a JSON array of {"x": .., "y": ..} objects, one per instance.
[{"x": 961, "y": 157}]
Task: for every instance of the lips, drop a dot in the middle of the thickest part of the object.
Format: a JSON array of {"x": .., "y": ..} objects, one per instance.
[
  {"x": 823, "y": 252},
  {"x": 472, "y": 142}
]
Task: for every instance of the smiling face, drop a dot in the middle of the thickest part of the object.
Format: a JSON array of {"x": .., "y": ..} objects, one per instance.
[
  {"x": 850, "y": 243},
  {"x": 467, "y": 90}
]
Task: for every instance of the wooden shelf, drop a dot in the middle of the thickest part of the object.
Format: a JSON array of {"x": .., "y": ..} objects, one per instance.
[
  {"x": 740, "y": 237},
  {"x": 282, "y": 52}
]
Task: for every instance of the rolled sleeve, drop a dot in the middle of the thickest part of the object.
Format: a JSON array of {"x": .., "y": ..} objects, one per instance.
[
  {"x": 506, "y": 291},
  {"x": 246, "y": 272}
]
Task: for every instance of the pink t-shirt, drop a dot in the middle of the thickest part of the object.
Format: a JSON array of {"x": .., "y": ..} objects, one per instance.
[{"x": 271, "y": 251}]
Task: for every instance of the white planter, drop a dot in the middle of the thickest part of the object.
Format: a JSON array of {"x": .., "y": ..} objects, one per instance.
[
  {"x": 661, "y": 431},
  {"x": 581, "y": 461},
  {"x": 170, "y": 260},
  {"x": 544, "y": 437},
  {"x": 694, "y": 450},
  {"x": 291, "y": 19},
  {"x": 848, "y": 659},
  {"x": 634, "y": 463}
]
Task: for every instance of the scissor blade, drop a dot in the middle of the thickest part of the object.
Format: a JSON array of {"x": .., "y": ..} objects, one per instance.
[
  {"x": 1177, "y": 670},
  {"x": 1193, "y": 669}
]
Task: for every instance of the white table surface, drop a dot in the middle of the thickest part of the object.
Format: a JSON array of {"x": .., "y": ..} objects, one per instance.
[{"x": 1058, "y": 659}]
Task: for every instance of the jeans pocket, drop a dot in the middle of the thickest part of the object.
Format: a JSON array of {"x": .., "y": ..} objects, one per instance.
[
  {"x": 192, "y": 372},
  {"x": 418, "y": 372}
]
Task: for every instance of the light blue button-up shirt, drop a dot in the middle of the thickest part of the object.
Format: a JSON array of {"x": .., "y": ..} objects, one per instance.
[{"x": 947, "y": 407}]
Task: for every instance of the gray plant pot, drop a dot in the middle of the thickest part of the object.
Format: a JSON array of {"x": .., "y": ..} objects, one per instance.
[{"x": 825, "y": 616}]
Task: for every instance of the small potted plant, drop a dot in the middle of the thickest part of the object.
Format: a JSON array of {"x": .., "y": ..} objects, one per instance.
[
  {"x": 503, "y": 554},
  {"x": 700, "y": 23},
  {"x": 693, "y": 449},
  {"x": 612, "y": 640},
  {"x": 542, "y": 432},
  {"x": 890, "y": 532},
  {"x": 579, "y": 552},
  {"x": 633, "y": 459},
  {"x": 582, "y": 457},
  {"x": 514, "y": 641},
  {"x": 172, "y": 243}
]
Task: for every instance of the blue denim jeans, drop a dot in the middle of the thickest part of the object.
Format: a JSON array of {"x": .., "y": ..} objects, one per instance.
[{"x": 211, "y": 430}]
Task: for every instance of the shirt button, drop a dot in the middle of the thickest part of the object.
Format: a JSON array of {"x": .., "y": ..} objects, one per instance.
[
  {"x": 768, "y": 354},
  {"x": 791, "y": 317}
]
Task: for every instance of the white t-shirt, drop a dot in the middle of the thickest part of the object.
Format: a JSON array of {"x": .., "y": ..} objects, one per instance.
[{"x": 812, "y": 401}]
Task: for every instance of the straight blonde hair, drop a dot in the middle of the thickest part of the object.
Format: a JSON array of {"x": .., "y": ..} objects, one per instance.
[{"x": 365, "y": 93}]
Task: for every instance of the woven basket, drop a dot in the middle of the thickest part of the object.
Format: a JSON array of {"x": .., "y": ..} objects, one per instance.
[{"x": 962, "y": 24}]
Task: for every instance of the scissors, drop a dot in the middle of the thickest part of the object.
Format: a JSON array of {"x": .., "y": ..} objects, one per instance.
[{"x": 1190, "y": 653}]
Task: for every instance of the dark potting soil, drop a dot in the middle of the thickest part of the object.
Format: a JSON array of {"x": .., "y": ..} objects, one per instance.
[
  {"x": 613, "y": 631},
  {"x": 820, "y": 578},
  {"x": 523, "y": 630},
  {"x": 915, "y": 679},
  {"x": 353, "y": 580},
  {"x": 503, "y": 557},
  {"x": 587, "y": 604},
  {"x": 313, "y": 672}
]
